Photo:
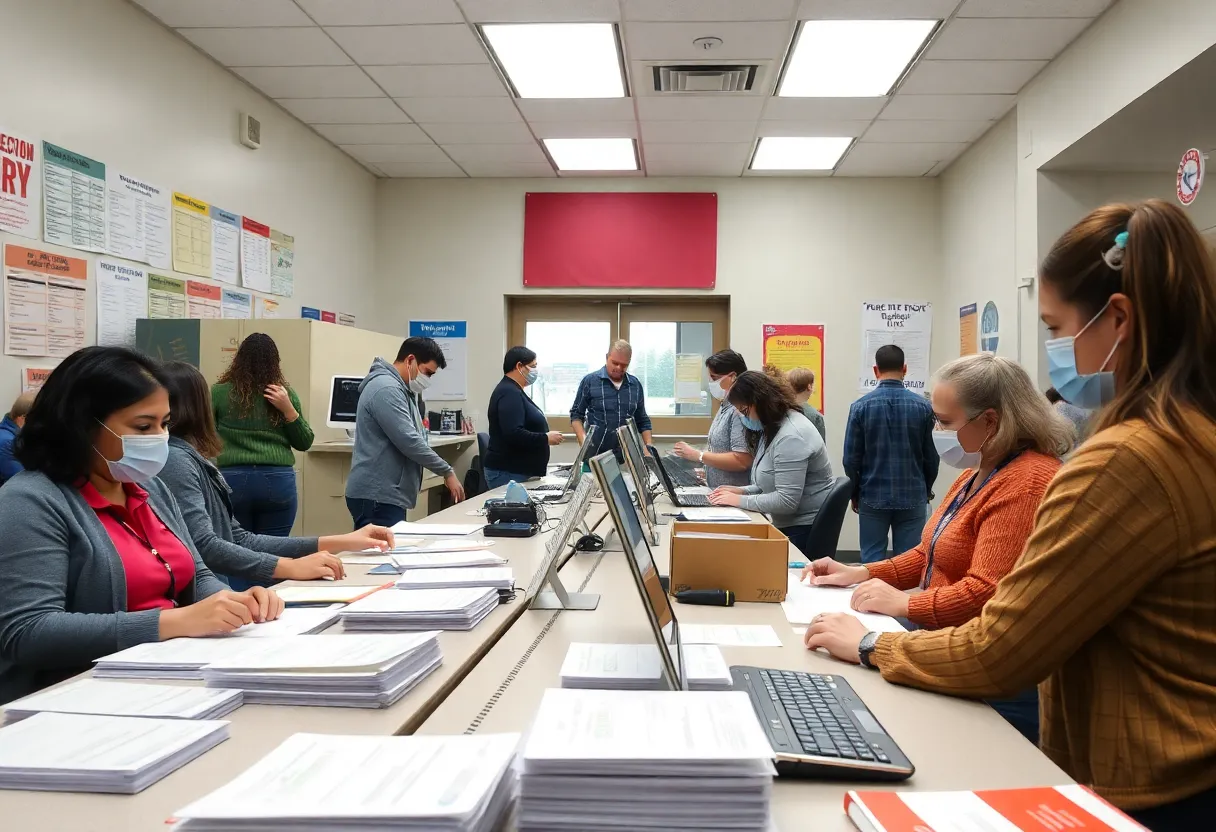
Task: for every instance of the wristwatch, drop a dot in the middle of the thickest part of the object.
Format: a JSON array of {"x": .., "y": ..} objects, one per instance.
[
  {"x": 866, "y": 649},
  {"x": 701, "y": 457}
]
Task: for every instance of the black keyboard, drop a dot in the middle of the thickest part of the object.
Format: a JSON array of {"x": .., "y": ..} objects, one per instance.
[
  {"x": 681, "y": 472},
  {"x": 694, "y": 501}
]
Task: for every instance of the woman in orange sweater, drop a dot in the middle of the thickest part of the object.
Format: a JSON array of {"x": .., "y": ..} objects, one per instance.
[{"x": 1008, "y": 440}]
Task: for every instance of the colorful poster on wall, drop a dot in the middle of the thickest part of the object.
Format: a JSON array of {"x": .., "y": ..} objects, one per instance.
[
  {"x": 138, "y": 220},
  {"x": 191, "y": 235},
  {"x": 237, "y": 304},
  {"x": 312, "y": 313},
  {"x": 203, "y": 300},
  {"x": 282, "y": 264},
  {"x": 166, "y": 297},
  {"x": 122, "y": 299},
  {"x": 266, "y": 308},
  {"x": 906, "y": 324},
  {"x": 329, "y": 317},
  {"x": 787, "y": 346},
  {"x": 451, "y": 383},
  {"x": 20, "y": 185},
  {"x": 968, "y": 320},
  {"x": 225, "y": 245},
  {"x": 73, "y": 199},
  {"x": 990, "y": 328},
  {"x": 32, "y": 378},
  {"x": 43, "y": 302},
  {"x": 255, "y": 255}
]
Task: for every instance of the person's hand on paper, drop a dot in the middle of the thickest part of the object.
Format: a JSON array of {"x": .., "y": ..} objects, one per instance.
[
  {"x": 725, "y": 495},
  {"x": 555, "y": 437},
  {"x": 837, "y": 632},
  {"x": 264, "y": 604},
  {"x": 685, "y": 451},
  {"x": 368, "y": 537},
  {"x": 829, "y": 572},
  {"x": 314, "y": 567},
  {"x": 276, "y": 394},
  {"x": 877, "y": 596},
  {"x": 454, "y": 487},
  {"x": 216, "y": 614}
]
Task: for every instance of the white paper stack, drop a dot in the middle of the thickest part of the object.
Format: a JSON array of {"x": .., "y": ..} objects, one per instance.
[
  {"x": 803, "y": 602},
  {"x": 612, "y": 760},
  {"x": 436, "y": 529},
  {"x": 497, "y": 577},
  {"x": 89, "y": 753},
  {"x": 445, "y": 559},
  {"x": 345, "y": 671},
  {"x": 714, "y": 514},
  {"x": 107, "y": 698},
  {"x": 178, "y": 658},
  {"x": 325, "y": 782},
  {"x": 294, "y": 621},
  {"x": 639, "y": 667},
  {"x": 419, "y": 609}
]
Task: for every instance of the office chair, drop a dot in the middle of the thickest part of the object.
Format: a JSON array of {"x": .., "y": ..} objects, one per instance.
[
  {"x": 479, "y": 466},
  {"x": 825, "y": 531}
]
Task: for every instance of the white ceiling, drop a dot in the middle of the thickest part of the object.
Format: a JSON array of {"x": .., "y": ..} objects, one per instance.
[{"x": 406, "y": 88}]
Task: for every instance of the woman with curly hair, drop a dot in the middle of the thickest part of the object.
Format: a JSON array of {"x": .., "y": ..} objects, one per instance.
[{"x": 258, "y": 416}]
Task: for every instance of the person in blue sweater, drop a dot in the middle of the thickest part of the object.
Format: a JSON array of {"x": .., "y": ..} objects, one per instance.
[
  {"x": 10, "y": 426},
  {"x": 519, "y": 432}
]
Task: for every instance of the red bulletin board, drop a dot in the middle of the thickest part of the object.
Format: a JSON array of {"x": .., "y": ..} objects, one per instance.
[{"x": 621, "y": 240}]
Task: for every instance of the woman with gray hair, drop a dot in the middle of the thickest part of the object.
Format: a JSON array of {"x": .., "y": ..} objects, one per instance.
[{"x": 994, "y": 425}]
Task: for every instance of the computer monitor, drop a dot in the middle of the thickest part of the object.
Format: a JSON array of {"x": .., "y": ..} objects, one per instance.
[
  {"x": 635, "y": 459},
  {"x": 659, "y": 613},
  {"x": 343, "y": 402},
  {"x": 557, "y": 597}
]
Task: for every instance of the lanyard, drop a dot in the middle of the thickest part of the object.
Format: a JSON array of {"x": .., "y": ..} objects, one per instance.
[
  {"x": 960, "y": 499},
  {"x": 172, "y": 593}
]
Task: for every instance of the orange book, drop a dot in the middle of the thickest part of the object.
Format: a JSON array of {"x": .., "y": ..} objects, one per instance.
[{"x": 1048, "y": 809}]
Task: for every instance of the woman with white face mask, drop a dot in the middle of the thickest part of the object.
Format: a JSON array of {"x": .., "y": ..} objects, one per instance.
[
  {"x": 96, "y": 555},
  {"x": 1112, "y": 606},
  {"x": 729, "y": 447}
]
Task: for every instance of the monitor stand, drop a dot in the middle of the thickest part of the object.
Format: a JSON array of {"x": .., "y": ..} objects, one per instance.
[{"x": 557, "y": 598}]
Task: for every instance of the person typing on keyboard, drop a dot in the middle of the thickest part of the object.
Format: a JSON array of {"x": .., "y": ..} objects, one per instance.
[{"x": 729, "y": 447}]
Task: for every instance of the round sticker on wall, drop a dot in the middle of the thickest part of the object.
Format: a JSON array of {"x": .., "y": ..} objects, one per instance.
[
  {"x": 1190, "y": 176},
  {"x": 990, "y": 328}
]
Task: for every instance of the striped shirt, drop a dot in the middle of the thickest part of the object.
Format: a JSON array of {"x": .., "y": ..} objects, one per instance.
[{"x": 599, "y": 402}]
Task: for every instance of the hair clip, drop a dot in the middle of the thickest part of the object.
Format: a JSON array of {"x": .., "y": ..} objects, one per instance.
[{"x": 1114, "y": 256}]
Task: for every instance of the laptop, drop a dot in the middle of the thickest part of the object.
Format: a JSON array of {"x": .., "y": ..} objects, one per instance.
[
  {"x": 635, "y": 461},
  {"x": 681, "y": 500},
  {"x": 817, "y": 724},
  {"x": 557, "y": 494}
]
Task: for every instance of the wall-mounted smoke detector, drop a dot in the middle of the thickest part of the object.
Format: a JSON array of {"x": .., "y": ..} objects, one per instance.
[{"x": 706, "y": 77}]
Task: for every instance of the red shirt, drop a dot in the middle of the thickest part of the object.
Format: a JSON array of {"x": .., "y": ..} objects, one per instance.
[{"x": 148, "y": 580}]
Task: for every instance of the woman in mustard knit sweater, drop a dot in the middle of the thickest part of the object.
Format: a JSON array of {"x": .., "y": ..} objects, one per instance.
[{"x": 258, "y": 416}]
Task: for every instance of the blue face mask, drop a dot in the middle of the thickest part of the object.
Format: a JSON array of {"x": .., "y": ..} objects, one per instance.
[
  {"x": 1087, "y": 390},
  {"x": 531, "y": 374},
  {"x": 752, "y": 424}
]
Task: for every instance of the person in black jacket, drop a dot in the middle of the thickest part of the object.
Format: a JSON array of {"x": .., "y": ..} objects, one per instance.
[{"x": 519, "y": 432}]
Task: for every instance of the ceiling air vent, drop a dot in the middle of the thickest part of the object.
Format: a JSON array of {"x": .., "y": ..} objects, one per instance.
[{"x": 703, "y": 78}]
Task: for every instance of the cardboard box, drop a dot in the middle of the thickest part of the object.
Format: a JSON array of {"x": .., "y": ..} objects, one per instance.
[{"x": 753, "y": 569}]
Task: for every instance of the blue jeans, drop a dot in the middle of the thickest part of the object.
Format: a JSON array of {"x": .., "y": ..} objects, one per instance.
[
  {"x": 1021, "y": 711},
  {"x": 364, "y": 512},
  {"x": 497, "y": 479},
  {"x": 263, "y": 501},
  {"x": 1186, "y": 815},
  {"x": 904, "y": 524},
  {"x": 798, "y": 535}
]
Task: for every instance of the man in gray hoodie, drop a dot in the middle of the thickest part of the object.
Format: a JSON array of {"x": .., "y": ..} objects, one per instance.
[{"x": 391, "y": 445}]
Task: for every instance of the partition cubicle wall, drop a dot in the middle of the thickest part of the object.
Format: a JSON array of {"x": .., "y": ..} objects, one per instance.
[{"x": 312, "y": 352}]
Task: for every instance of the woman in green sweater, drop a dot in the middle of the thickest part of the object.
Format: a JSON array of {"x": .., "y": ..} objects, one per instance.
[{"x": 258, "y": 416}]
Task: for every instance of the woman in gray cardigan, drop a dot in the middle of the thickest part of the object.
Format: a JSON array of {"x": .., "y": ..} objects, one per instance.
[
  {"x": 204, "y": 498},
  {"x": 791, "y": 475},
  {"x": 96, "y": 556}
]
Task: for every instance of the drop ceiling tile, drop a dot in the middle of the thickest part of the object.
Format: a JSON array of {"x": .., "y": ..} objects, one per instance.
[
  {"x": 709, "y": 167},
  {"x": 576, "y": 109},
  {"x": 733, "y": 154},
  {"x": 1033, "y": 8},
  {"x": 899, "y": 130},
  {"x": 372, "y": 169},
  {"x": 541, "y": 11},
  {"x": 429, "y": 44},
  {"x": 675, "y": 132},
  {"x": 876, "y": 9},
  {"x": 813, "y": 127},
  {"x": 267, "y": 46},
  {"x": 700, "y": 107},
  {"x": 310, "y": 81},
  {"x": 740, "y": 41},
  {"x": 229, "y": 13},
  {"x": 949, "y": 107},
  {"x": 835, "y": 109},
  {"x": 585, "y": 129},
  {"x": 380, "y": 12},
  {"x": 520, "y": 170},
  {"x": 970, "y": 77},
  {"x": 378, "y": 154},
  {"x": 686, "y": 10},
  {"x": 460, "y": 110},
  {"x": 515, "y": 132},
  {"x": 1019, "y": 39},
  {"x": 439, "y": 81},
  {"x": 344, "y": 110},
  {"x": 896, "y": 159},
  {"x": 373, "y": 133},
  {"x": 444, "y": 167},
  {"x": 487, "y": 154}
]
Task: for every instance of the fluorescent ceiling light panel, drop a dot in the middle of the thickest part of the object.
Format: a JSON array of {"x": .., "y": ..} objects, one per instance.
[
  {"x": 593, "y": 154},
  {"x": 852, "y": 58},
  {"x": 559, "y": 60},
  {"x": 799, "y": 152}
]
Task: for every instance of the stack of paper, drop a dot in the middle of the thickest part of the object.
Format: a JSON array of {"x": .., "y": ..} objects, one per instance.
[
  {"x": 451, "y": 544},
  {"x": 445, "y": 559},
  {"x": 612, "y": 760},
  {"x": 638, "y": 667},
  {"x": 93, "y": 696},
  {"x": 715, "y": 514},
  {"x": 179, "y": 658},
  {"x": 87, "y": 753},
  {"x": 498, "y": 577},
  {"x": 436, "y": 529},
  {"x": 296, "y": 621},
  {"x": 347, "y": 671},
  {"x": 315, "y": 781},
  {"x": 420, "y": 609},
  {"x": 323, "y": 594},
  {"x": 803, "y": 602}
]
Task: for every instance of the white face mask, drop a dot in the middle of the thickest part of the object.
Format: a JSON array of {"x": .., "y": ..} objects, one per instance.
[
  {"x": 951, "y": 450},
  {"x": 715, "y": 389},
  {"x": 143, "y": 457},
  {"x": 420, "y": 382}
]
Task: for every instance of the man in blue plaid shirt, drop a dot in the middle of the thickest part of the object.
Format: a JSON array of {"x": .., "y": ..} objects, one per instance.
[{"x": 889, "y": 456}]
